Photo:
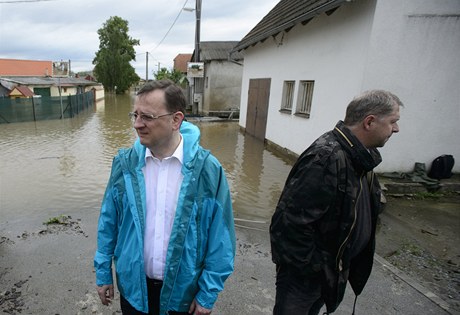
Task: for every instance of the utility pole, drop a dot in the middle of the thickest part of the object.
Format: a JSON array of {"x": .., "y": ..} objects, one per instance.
[
  {"x": 197, "y": 30},
  {"x": 147, "y": 66},
  {"x": 195, "y": 108}
]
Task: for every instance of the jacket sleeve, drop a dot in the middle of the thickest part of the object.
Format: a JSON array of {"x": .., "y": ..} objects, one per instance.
[
  {"x": 218, "y": 264},
  {"x": 309, "y": 193},
  {"x": 107, "y": 230}
]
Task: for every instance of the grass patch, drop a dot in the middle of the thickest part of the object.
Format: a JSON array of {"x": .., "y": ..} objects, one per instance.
[
  {"x": 428, "y": 195},
  {"x": 413, "y": 249},
  {"x": 62, "y": 219}
]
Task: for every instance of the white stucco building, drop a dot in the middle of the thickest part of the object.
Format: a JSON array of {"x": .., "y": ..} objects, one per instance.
[
  {"x": 220, "y": 87},
  {"x": 305, "y": 61}
]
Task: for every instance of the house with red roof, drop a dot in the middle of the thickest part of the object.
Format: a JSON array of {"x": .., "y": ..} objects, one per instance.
[
  {"x": 45, "y": 78},
  {"x": 29, "y": 90},
  {"x": 17, "y": 67},
  {"x": 20, "y": 91},
  {"x": 180, "y": 62}
]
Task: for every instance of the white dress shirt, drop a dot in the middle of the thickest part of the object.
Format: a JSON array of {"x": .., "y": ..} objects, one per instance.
[{"x": 163, "y": 179}]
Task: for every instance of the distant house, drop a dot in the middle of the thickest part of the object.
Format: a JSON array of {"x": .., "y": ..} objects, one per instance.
[
  {"x": 45, "y": 78},
  {"x": 20, "y": 92},
  {"x": 306, "y": 59},
  {"x": 180, "y": 62},
  {"x": 221, "y": 86},
  {"x": 47, "y": 86},
  {"x": 33, "y": 90},
  {"x": 18, "y": 67},
  {"x": 90, "y": 78}
]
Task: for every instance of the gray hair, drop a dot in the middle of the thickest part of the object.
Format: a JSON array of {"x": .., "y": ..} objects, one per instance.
[
  {"x": 174, "y": 97},
  {"x": 374, "y": 102}
]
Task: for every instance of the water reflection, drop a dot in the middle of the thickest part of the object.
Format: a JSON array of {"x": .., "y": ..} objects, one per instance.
[
  {"x": 115, "y": 127},
  {"x": 49, "y": 168},
  {"x": 256, "y": 176}
]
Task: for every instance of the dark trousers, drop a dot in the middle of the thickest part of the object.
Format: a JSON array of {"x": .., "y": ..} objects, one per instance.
[
  {"x": 154, "y": 290},
  {"x": 295, "y": 294}
]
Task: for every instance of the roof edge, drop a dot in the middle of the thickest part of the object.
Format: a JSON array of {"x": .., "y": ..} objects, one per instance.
[{"x": 306, "y": 16}]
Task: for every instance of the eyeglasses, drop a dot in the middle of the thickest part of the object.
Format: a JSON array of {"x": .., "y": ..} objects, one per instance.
[{"x": 146, "y": 118}]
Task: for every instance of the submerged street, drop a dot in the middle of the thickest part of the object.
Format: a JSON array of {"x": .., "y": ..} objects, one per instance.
[{"x": 59, "y": 168}]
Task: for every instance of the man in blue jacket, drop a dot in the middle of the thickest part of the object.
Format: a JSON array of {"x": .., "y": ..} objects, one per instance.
[{"x": 166, "y": 220}]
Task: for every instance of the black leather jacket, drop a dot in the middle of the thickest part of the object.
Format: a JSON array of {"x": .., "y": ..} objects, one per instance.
[{"x": 314, "y": 220}]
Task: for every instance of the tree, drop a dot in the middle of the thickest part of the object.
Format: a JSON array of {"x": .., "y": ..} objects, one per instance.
[
  {"x": 116, "y": 50},
  {"x": 175, "y": 75}
]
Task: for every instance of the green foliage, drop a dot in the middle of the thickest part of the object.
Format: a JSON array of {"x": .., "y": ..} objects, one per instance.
[
  {"x": 174, "y": 75},
  {"x": 62, "y": 219},
  {"x": 428, "y": 195},
  {"x": 112, "y": 61}
]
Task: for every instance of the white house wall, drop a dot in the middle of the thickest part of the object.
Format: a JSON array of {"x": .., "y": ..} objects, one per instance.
[
  {"x": 408, "y": 47},
  {"x": 415, "y": 54},
  {"x": 100, "y": 93},
  {"x": 222, "y": 86},
  {"x": 332, "y": 51}
]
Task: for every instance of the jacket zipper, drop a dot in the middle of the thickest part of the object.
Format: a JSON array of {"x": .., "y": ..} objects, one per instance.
[{"x": 338, "y": 259}]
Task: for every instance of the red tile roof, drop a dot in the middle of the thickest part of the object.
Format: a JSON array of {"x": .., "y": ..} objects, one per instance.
[{"x": 16, "y": 67}]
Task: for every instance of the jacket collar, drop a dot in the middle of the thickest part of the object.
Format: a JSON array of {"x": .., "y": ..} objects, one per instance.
[
  {"x": 362, "y": 157},
  {"x": 191, "y": 143}
]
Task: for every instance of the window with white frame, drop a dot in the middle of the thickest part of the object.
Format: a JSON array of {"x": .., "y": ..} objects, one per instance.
[
  {"x": 288, "y": 96},
  {"x": 304, "y": 98}
]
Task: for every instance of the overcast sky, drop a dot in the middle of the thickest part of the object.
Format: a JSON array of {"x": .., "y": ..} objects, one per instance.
[{"x": 67, "y": 29}]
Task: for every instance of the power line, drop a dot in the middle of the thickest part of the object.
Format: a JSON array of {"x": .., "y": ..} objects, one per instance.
[
  {"x": 177, "y": 17},
  {"x": 164, "y": 37},
  {"x": 19, "y": 1}
]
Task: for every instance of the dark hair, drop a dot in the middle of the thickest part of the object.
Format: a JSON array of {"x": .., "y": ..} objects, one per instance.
[
  {"x": 373, "y": 102},
  {"x": 174, "y": 97}
]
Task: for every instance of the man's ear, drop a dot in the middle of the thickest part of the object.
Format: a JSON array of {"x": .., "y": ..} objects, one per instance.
[
  {"x": 368, "y": 121},
  {"x": 178, "y": 118}
]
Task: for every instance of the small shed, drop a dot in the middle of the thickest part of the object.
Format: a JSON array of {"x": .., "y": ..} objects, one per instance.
[{"x": 221, "y": 86}]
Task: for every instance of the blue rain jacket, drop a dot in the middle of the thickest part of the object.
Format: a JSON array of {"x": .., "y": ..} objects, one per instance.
[{"x": 201, "y": 249}]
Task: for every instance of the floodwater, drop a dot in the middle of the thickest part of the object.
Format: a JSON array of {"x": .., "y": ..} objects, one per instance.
[{"x": 61, "y": 167}]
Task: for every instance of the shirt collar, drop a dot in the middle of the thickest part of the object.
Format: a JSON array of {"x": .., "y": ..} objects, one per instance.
[{"x": 178, "y": 153}]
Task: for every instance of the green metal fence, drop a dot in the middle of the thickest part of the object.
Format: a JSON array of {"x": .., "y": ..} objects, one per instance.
[{"x": 44, "y": 107}]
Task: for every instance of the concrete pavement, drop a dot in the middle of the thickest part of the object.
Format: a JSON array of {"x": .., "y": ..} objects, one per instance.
[
  {"x": 54, "y": 280},
  {"x": 251, "y": 288}
]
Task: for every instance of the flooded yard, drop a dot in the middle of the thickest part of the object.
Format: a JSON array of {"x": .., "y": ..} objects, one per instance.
[{"x": 57, "y": 170}]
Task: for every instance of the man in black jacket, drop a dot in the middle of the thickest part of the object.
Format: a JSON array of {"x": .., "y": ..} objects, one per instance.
[{"x": 323, "y": 230}]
